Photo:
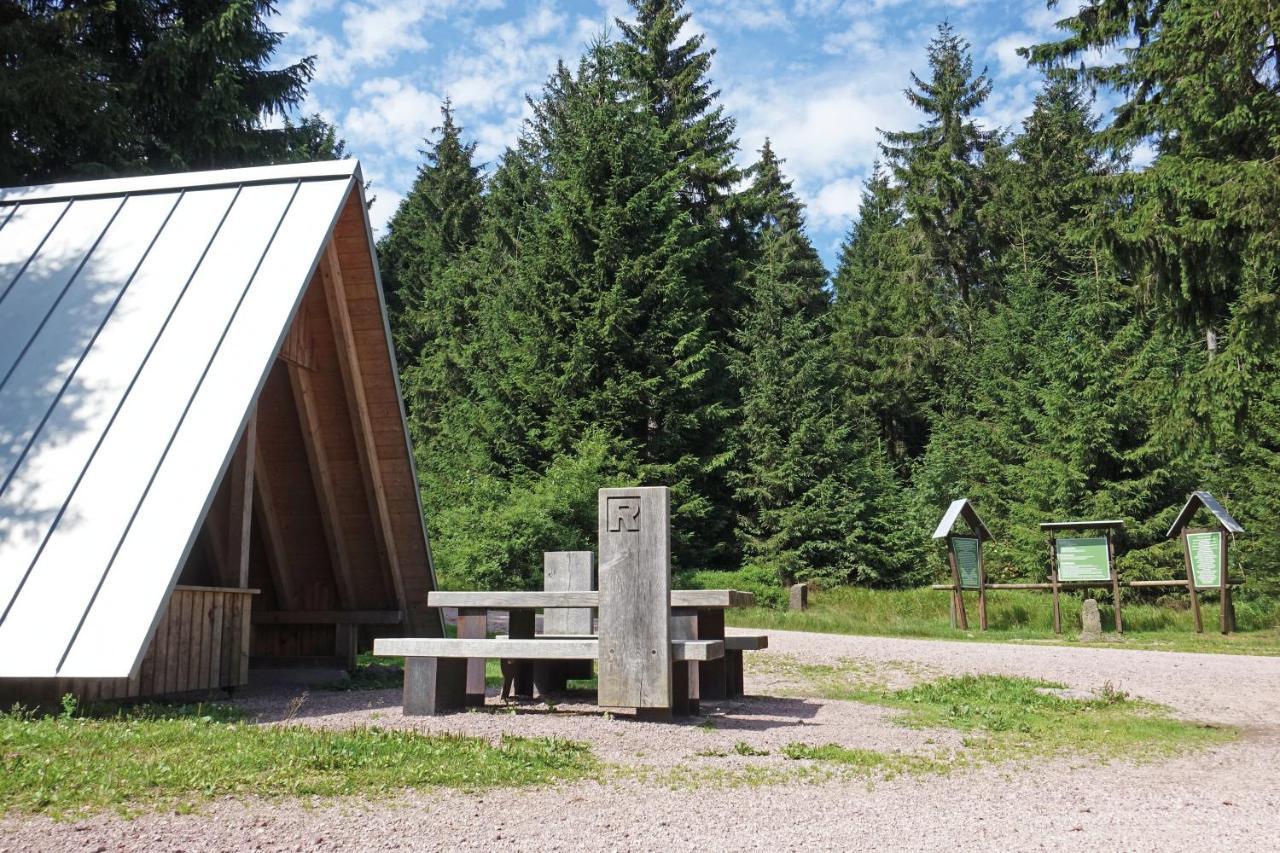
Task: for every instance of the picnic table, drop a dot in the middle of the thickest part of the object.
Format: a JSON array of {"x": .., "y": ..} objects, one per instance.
[
  {"x": 696, "y": 614},
  {"x": 658, "y": 650}
]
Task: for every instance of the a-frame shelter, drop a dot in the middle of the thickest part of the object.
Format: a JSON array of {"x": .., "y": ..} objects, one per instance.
[{"x": 204, "y": 460}]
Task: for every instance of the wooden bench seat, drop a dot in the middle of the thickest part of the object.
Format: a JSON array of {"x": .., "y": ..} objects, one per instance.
[
  {"x": 435, "y": 669},
  {"x": 543, "y": 648},
  {"x": 734, "y": 646}
]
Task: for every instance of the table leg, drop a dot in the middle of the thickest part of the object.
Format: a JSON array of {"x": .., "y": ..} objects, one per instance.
[
  {"x": 520, "y": 627},
  {"x": 685, "y": 694},
  {"x": 473, "y": 624},
  {"x": 712, "y": 674},
  {"x": 733, "y": 665}
]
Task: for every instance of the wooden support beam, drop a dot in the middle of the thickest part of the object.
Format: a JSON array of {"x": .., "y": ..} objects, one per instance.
[
  {"x": 353, "y": 382},
  {"x": 239, "y": 521},
  {"x": 264, "y": 508},
  {"x": 304, "y": 398},
  {"x": 327, "y": 617}
]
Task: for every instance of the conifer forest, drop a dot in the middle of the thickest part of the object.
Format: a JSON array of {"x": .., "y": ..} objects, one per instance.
[{"x": 1029, "y": 317}]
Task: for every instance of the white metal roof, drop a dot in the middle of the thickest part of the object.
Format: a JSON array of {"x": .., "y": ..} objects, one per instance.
[
  {"x": 138, "y": 320},
  {"x": 957, "y": 508}
]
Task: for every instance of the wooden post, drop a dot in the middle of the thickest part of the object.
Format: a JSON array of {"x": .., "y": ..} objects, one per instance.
[
  {"x": 473, "y": 624},
  {"x": 635, "y": 597},
  {"x": 308, "y": 411},
  {"x": 982, "y": 585},
  {"x": 1053, "y": 581},
  {"x": 1191, "y": 583},
  {"x": 240, "y": 515},
  {"x": 346, "y": 643},
  {"x": 957, "y": 591},
  {"x": 1115, "y": 582},
  {"x": 1225, "y": 617}
]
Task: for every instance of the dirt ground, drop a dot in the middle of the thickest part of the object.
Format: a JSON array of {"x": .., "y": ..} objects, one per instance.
[{"x": 686, "y": 786}]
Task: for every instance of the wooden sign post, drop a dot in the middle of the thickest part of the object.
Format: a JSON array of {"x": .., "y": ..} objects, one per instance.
[
  {"x": 964, "y": 555},
  {"x": 1082, "y": 562},
  {"x": 1204, "y": 554}
]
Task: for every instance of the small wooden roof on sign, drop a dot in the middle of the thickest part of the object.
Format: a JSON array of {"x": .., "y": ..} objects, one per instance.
[
  {"x": 961, "y": 507},
  {"x": 1209, "y": 502}
]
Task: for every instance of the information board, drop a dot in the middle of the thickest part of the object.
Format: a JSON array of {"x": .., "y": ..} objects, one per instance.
[
  {"x": 1084, "y": 559},
  {"x": 966, "y": 550},
  {"x": 1205, "y": 550}
]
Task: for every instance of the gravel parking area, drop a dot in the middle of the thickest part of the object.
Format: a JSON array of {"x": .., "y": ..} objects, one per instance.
[{"x": 678, "y": 795}]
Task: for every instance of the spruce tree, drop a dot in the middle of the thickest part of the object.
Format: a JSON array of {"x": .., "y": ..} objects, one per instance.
[
  {"x": 438, "y": 220},
  {"x": 808, "y": 482},
  {"x": 939, "y": 165},
  {"x": 885, "y": 335},
  {"x": 671, "y": 75},
  {"x": 148, "y": 86},
  {"x": 1200, "y": 82},
  {"x": 593, "y": 317}
]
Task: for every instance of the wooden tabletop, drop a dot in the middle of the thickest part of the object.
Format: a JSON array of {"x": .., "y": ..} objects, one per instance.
[{"x": 698, "y": 599}]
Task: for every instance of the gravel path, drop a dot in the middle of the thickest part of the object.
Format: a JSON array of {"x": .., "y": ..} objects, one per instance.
[{"x": 1224, "y": 798}]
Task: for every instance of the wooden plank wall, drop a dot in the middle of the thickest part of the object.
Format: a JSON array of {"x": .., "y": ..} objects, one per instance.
[
  {"x": 359, "y": 286},
  {"x": 201, "y": 643}
]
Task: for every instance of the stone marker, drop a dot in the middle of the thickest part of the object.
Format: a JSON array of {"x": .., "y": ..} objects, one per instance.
[
  {"x": 1091, "y": 622},
  {"x": 799, "y": 596}
]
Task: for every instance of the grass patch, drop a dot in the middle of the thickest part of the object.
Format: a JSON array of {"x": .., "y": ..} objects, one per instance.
[
  {"x": 177, "y": 757},
  {"x": 1019, "y": 615},
  {"x": 1006, "y": 718},
  {"x": 865, "y": 761}
]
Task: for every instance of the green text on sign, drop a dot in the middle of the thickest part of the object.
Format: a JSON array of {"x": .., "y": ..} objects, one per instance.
[
  {"x": 1205, "y": 550},
  {"x": 966, "y": 550},
  {"x": 1083, "y": 559}
]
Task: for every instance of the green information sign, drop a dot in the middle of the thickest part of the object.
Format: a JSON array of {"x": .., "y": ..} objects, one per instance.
[
  {"x": 966, "y": 549},
  {"x": 1083, "y": 559},
  {"x": 1205, "y": 550}
]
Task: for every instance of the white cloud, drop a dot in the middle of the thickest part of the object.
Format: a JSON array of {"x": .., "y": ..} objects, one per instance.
[
  {"x": 861, "y": 38},
  {"x": 734, "y": 15},
  {"x": 392, "y": 114},
  {"x": 1005, "y": 52},
  {"x": 823, "y": 127},
  {"x": 836, "y": 204},
  {"x": 373, "y": 32},
  {"x": 383, "y": 208}
]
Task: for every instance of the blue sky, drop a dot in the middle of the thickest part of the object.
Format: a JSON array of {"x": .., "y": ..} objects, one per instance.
[{"x": 816, "y": 76}]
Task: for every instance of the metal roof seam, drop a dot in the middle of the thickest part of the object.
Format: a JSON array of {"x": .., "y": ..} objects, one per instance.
[
  {"x": 177, "y": 427},
  {"x": 71, "y": 280},
  {"x": 35, "y": 434},
  {"x": 36, "y": 250},
  {"x": 8, "y": 606}
]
